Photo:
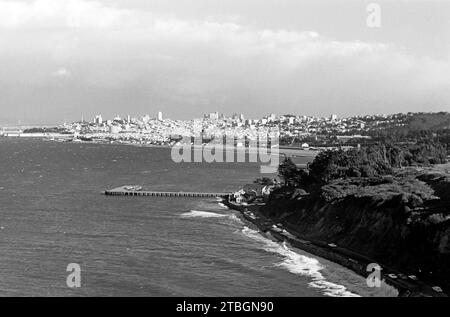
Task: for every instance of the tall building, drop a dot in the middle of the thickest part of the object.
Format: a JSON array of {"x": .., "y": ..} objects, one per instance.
[
  {"x": 98, "y": 119},
  {"x": 272, "y": 117},
  {"x": 160, "y": 116},
  {"x": 334, "y": 117}
]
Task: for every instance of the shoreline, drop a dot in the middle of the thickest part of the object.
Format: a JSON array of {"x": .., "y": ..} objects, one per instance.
[{"x": 346, "y": 258}]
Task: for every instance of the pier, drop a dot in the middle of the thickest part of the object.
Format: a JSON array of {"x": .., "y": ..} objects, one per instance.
[{"x": 122, "y": 191}]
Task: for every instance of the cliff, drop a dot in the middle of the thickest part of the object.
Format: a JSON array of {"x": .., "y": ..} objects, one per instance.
[{"x": 402, "y": 220}]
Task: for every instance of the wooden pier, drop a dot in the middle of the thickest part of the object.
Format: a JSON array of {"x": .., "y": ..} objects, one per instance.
[{"x": 122, "y": 191}]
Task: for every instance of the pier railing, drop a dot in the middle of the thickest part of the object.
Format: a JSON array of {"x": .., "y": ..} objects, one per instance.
[{"x": 121, "y": 191}]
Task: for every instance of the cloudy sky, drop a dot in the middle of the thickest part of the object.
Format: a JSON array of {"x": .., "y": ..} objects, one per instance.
[{"x": 63, "y": 58}]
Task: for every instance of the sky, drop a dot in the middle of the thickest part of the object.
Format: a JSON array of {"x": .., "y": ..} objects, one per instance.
[{"x": 60, "y": 59}]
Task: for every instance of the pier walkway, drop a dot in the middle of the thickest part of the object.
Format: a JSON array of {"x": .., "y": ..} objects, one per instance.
[{"x": 122, "y": 191}]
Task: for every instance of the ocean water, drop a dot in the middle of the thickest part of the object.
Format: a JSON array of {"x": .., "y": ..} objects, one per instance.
[{"x": 52, "y": 213}]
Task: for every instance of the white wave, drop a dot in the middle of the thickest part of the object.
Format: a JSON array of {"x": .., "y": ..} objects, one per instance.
[
  {"x": 234, "y": 217},
  {"x": 202, "y": 214},
  {"x": 300, "y": 264},
  {"x": 223, "y": 206},
  {"x": 210, "y": 214}
]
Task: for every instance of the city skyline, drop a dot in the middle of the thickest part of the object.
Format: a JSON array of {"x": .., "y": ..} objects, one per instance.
[
  {"x": 99, "y": 118},
  {"x": 61, "y": 58}
]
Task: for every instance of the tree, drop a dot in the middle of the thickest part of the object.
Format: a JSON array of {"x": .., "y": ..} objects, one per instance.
[
  {"x": 371, "y": 161},
  {"x": 289, "y": 173}
]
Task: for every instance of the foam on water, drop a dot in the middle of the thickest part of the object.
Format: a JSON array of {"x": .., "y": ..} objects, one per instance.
[
  {"x": 299, "y": 264},
  {"x": 202, "y": 214},
  {"x": 234, "y": 217},
  {"x": 223, "y": 206},
  {"x": 209, "y": 214}
]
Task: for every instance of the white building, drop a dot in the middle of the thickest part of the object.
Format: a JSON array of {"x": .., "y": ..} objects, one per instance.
[
  {"x": 214, "y": 116},
  {"x": 98, "y": 119},
  {"x": 114, "y": 129},
  {"x": 146, "y": 119}
]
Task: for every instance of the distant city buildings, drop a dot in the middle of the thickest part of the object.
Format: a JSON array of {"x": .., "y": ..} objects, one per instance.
[
  {"x": 114, "y": 129},
  {"x": 146, "y": 119},
  {"x": 212, "y": 116},
  {"x": 304, "y": 130}
]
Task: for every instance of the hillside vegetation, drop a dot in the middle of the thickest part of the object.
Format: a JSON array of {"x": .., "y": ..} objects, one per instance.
[{"x": 390, "y": 202}]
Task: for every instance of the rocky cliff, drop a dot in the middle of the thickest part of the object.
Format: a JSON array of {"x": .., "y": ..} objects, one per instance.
[{"x": 402, "y": 220}]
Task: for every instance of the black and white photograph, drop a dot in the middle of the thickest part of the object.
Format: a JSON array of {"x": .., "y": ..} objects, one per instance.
[{"x": 224, "y": 154}]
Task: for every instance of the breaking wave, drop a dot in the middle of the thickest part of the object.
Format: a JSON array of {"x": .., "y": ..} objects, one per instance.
[
  {"x": 209, "y": 214},
  {"x": 223, "y": 206},
  {"x": 300, "y": 264},
  {"x": 202, "y": 214}
]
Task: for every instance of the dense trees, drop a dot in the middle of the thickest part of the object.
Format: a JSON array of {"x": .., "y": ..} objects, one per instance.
[
  {"x": 358, "y": 162},
  {"x": 371, "y": 161},
  {"x": 289, "y": 173}
]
